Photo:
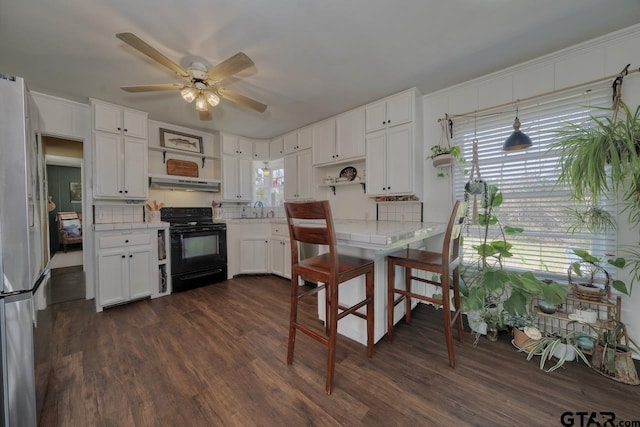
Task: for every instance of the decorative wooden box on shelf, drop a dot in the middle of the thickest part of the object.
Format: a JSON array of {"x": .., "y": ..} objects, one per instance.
[{"x": 561, "y": 321}]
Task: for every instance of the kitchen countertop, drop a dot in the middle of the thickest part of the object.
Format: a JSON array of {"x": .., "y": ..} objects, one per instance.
[
  {"x": 369, "y": 234},
  {"x": 130, "y": 226}
]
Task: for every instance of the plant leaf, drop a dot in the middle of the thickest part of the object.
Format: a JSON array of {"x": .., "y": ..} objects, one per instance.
[
  {"x": 618, "y": 262},
  {"x": 620, "y": 286},
  {"x": 512, "y": 230}
]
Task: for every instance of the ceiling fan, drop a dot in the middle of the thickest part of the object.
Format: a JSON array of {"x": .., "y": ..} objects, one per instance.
[{"x": 204, "y": 85}]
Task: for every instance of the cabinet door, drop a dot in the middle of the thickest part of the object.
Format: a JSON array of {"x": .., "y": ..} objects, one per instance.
[
  {"x": 400, "y": 109},
  {"x": 305, "y": 175},
  {"x": 276, "y": 149},
  {"x": 135, "y": 124},
  {"x": 276, "y": 250},
  {"x": 304, "y": 138},
  {"x": 135, "y": 169},
  {"x": 245, "y": 176},
  {"x": 290, "y": 176},
  {"x": 107, "y": 118},
  {"x": 376, "y": 116},
  {"x": 261, "y": 150},
  {"x": 106, "y": 166},
  {"x": 287, "y": 258},
  {"x": 245, "y": 147},
  {"x": 350, "y": 135},
  {"x": 112, "y": 277},
  {"x": 324, "y": 142},
  {"x": 140, "y": 265},
  {"x": 229, "y": 143},
  {"x": 253, "y": 255},
  {"x": 230, "y": 190},
  {"x": 399, "y": 170},
  {"x": 375, "y": 163},
  {"x": 290, "y": 142}
]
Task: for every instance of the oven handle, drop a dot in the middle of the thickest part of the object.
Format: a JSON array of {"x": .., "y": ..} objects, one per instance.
[
  {"x": 182, "y": 245},
  {"x": 197, "y": 275}
]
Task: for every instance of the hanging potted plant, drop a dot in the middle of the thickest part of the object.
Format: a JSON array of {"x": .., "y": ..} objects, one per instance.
[{"x": 443, "y": 156}]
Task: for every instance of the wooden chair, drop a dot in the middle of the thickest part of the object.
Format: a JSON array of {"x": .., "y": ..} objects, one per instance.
[
  {"x": 443, "y": 263},
  {"x": 311, "y": 223},
  {"x": 69, "y": 228}
]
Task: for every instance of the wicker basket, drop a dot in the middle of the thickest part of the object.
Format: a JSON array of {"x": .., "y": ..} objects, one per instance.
[
  {"x": 624, "y": 368},
  {"x": 589, "y": 292}
]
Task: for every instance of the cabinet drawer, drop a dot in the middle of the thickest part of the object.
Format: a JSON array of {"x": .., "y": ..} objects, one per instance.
[
  {"x": 123, "y": 240},
  {"x": 280, "y": 230}
]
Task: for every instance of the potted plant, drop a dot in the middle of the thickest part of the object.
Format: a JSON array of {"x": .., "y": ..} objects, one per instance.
[
  {"x": 588, "y": 267},
  {"x": 489, "y": 291},
  {"x": 563, "y": 347},
  {"x": 444, "y": 155},
  {"x": 524, "y": 328},
  {"x": 612, "y": 353}
]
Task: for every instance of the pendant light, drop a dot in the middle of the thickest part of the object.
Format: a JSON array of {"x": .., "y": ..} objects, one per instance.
[
  {"x": 517, "y": 140},
  {"x": 265, "y": 170}
]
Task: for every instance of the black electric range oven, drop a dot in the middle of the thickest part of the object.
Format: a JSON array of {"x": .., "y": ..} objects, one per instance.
[{"x": 198, "y": 247}]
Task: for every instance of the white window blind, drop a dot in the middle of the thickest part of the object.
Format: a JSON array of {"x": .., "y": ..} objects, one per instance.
[{"x": 528, "y": 181}]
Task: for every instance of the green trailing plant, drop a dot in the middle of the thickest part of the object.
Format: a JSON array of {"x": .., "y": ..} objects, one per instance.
[
  {"x": 521, "y": 320},
  {"x": 489, "y": 288},
  {"x": 591, "y": 218},
  {"x": 610, "y": 339},
  {"x": 454, "y": 151},
  {"x": 548, "y": 347}
]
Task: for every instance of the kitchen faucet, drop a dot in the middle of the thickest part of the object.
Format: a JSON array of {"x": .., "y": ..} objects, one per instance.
[{"x": 261, "y": 206}]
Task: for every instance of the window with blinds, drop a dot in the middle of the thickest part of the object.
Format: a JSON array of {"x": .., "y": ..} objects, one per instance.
[{"x": 528, "y": 181}]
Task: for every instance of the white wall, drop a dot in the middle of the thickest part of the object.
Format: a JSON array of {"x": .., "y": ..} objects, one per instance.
[{"x": 590, "y": 60}]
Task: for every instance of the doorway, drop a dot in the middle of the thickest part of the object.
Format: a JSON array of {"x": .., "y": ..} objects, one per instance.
[{"x": 64, "y": 186}]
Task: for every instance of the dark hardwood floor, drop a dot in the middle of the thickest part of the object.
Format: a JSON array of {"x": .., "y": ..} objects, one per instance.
[{"x": 216, "y": 356}]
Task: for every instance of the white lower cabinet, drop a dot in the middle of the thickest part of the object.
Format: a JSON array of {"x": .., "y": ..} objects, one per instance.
[
  {"x": 280, "y": 250},
  {"x": 254, "y": 256},
  {"x": 125, "y": 267}
]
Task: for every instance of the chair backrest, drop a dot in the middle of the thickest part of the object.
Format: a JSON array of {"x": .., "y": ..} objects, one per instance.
[
  {"x": 70, "y": 222},
  {"x": 451, "y": 244},
  {"x": 311, "y": 222}
]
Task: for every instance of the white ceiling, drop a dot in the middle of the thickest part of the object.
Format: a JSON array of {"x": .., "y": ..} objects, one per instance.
[{"x": 314, "y": 59}]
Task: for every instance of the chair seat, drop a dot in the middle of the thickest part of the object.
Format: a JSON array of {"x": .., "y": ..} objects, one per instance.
[
  {"x": 319, "y": 267},
  {"x": 417, "y": 257}
]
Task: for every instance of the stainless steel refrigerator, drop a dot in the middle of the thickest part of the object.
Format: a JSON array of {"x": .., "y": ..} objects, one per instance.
[{"x": 25, "y": 322}]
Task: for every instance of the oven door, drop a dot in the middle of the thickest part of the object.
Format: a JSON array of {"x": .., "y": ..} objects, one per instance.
[{"x": 197, "y": 250}]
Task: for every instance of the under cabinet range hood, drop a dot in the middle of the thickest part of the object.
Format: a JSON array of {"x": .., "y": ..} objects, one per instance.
[{"x": 169, "y": 182}]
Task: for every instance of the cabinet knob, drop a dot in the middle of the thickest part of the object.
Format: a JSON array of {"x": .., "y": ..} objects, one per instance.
[
  {"x": 120, "y": 191},
  {"x": 130, "y": 256},
  {"x": 123, "y": 256},
  {"x": 126, "y": 130},
  {"x": 384, "y": 123},
  {"x": 126, "y": 191},
  {"x": 119, "y": 128},
  {"x": 126, "y": 241},
  {"x": 388, "y": 121},
  {"x": 384, "y": 188}
]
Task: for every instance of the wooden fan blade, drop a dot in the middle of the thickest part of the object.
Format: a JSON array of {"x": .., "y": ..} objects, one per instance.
[
  {"x": 242, "y": 100},
  {"x": 230, "y": 66},
  {"x": 205, "y": 115},
  {"x": 137, "y": 43},
  {"x": 151, "y": 88}
]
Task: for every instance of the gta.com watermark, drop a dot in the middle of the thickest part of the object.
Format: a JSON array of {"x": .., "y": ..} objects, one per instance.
[{"x": 595, "y": 419}]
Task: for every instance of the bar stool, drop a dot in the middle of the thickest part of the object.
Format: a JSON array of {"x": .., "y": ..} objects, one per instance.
[
  {"x": 443, "y": 263},
  {"x": 311, "y": 222}
]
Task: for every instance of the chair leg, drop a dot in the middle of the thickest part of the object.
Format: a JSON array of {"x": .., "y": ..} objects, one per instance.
[
  {"x": 390, "y": 296},
  {"x": 370, "y": 308},
  {"x": 407, "y": 299},
  {"x": 333, "y": 334},
  {"x": 446, "y": 311},
  {"x": 456, "y": 302},
  {"x": 293, "y": 318}
]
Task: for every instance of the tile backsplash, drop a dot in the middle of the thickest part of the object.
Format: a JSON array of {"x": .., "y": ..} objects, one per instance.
[
  {"x": 410, "y": 211},
  {"x": 232, "y": 211},
  {"x": 105, "y": 214}
]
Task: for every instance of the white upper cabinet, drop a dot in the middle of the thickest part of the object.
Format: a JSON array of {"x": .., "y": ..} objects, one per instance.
[
  {"x": 276, "y": 148},
  {"x": 297, "y": 140},
  {"x": 323, "y": 136},
  {"x": 236, "y": 145},
  {"x": 299, "y": 176},
  {"x": 120, "y": 120},
  {"x": 261, "y": 150},
  {"x": 392, "y": 111},
  {"x": 120, "y": 160}
]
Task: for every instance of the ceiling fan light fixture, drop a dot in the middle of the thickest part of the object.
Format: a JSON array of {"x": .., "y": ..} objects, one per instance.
[
  {"x": 201, "y": 103},
  {"x": 212, "y": 98},
  {"x": 517, "y": 140},
  {"x": 189, "y": 94}
]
